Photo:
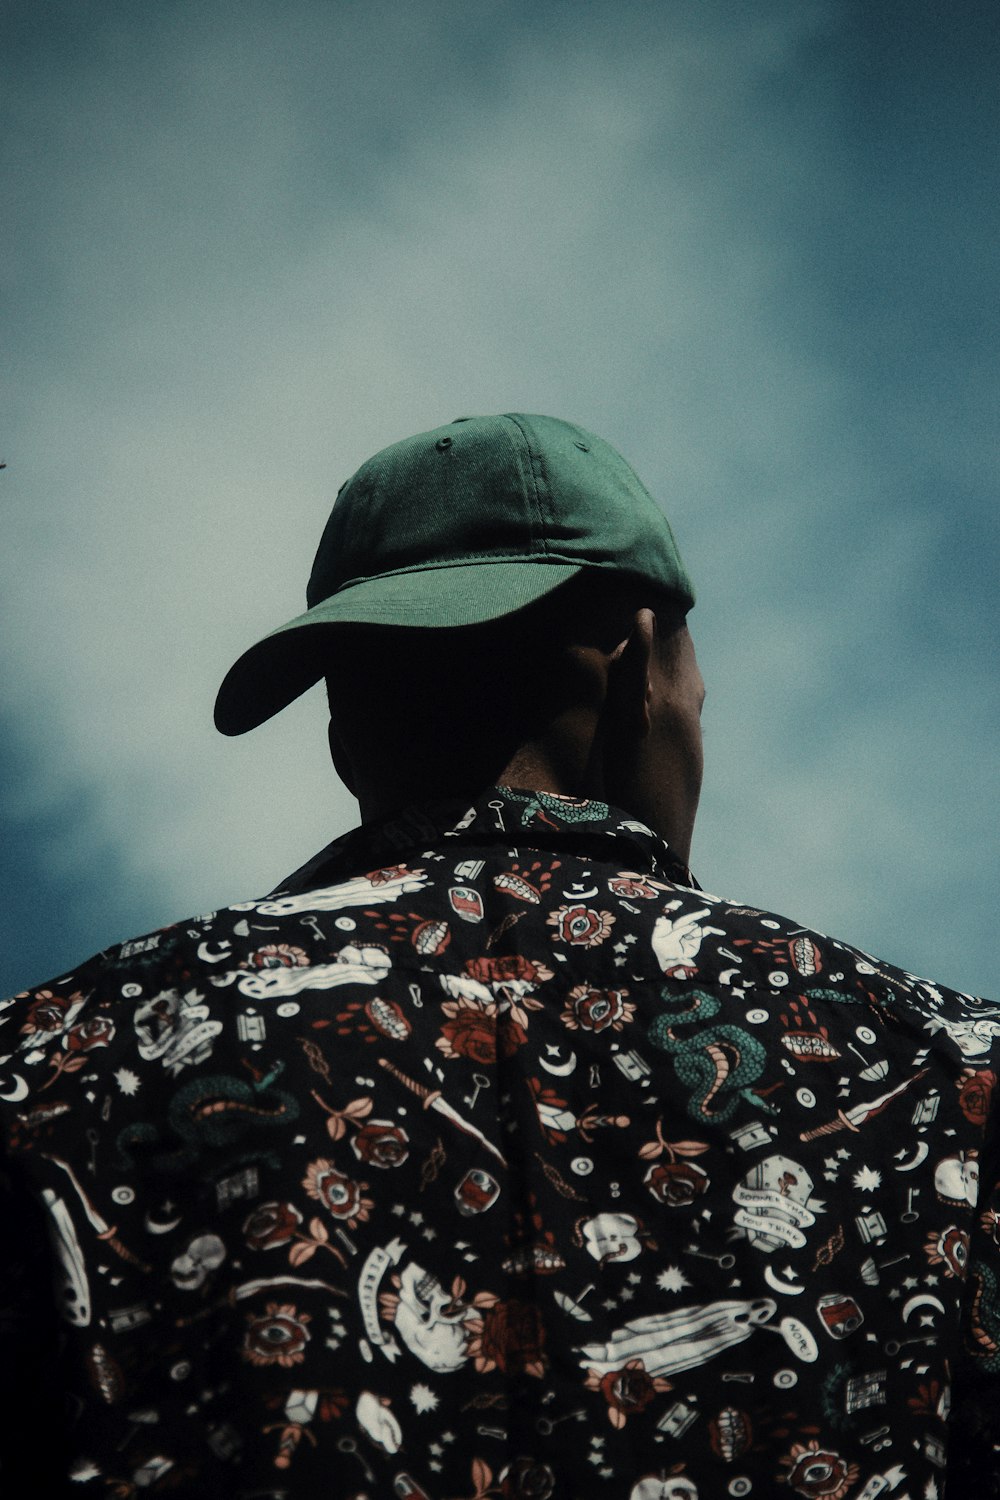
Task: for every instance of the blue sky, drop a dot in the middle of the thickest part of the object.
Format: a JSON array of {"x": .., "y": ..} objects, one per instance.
[{"x": 753, "y": 245}]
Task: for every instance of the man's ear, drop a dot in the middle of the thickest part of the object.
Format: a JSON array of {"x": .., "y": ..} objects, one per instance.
[
  {"x": 629, "y": 677},
  {"x": 625, "y": 717},
  {"x": 341, "y": 761}
]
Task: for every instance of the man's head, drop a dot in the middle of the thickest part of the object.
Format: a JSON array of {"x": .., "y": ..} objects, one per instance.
[{"x": 499, "y": 599}]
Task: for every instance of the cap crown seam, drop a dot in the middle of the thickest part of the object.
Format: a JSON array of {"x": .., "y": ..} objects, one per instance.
[{"x": 543, "y": 521}]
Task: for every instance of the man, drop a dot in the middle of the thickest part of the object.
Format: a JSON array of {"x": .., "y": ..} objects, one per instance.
[{"x": 488, "y": 1155}]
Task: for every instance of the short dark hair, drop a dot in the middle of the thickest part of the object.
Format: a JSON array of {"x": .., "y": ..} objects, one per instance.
[{"x": 459, "y": 702}]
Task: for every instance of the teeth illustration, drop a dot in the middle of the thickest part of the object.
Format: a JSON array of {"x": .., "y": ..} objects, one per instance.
[
  {"x": 386, "y": 1017},
  {"x": 805, "y": 955},
  {"x": 431, "y": 937},
  {"x": 810, "y": 1046},
  {"x": 508, "y": 881}
]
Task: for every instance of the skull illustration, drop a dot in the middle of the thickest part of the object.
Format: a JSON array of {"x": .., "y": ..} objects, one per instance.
[
  {"x": 612, "y": 1237},
  {"x": 956, "y": 1180},
  {"x": 429, "y": 1322},
  {"x": 664, "y": 1486},
  {"x": 189, "y": 1269}
]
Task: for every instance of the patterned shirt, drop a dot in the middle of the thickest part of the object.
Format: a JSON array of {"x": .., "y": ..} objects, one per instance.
[{"x": 491, "y": 1157}]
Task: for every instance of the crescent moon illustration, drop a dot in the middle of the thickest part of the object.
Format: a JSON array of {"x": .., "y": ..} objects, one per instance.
[
  {"x": 922, "y": 1299},
  {"x": 560, "y": 1069},
  {"x": 772, "y": 1279},
  {"x": 918, "y": 1156},
  {"x": 580, "y": 895},
  {"x": 20, "y": 1090},
  {"x": 207, "y": 956},
  {"x": 727, "y": 976},
  {"x": 154, "y": 1226}
]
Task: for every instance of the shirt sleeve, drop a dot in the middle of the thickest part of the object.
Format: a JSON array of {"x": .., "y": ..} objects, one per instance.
[
  {"x": 974, "y": 1422},
  {"x": 33, "y": 1405}
]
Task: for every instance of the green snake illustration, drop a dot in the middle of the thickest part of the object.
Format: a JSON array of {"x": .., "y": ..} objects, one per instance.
[
  {"x": 540, "y": 804},
  {"x": 718, "y": 1064},
  {"x": 209, "y": 1112},
  {"x": 983, "y": 1336}
]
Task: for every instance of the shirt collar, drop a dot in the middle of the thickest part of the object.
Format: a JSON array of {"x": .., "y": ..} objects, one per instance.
[{"x": 499, "y": 815}]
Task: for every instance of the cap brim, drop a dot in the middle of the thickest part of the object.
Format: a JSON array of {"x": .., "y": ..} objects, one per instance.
[{"x": 282, "y": 666}]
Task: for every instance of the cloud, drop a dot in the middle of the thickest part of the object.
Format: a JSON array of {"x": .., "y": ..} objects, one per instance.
[{"x": 257, "y": 248}]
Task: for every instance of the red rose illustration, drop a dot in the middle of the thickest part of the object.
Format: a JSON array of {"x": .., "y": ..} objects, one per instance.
[
  {"x": 276, "y": 1337},
  {"x": 469, "y": 1032},
  {"x": 627, "y": 1391},
  {"x": 949, "y": 1249},
  {"x": 975, "y": 1092},
  {"x": 46, "y": 1011},
  {"x": 501, "y": 970},
  {"x": 526, "y": 1479},
  {"x": 818, "y": 1473},
  {"x": 581, "y": 925},
  {"x": 279, "y": 956},
  {"x": 676, "y": 1183},
  {"x": 507, "y": 1336},
  {"x": 510, "y": 1035},
  {"x": 381, "y": 1144},
  {"x": 271, "y": 1225},
  {"x": 588, "y": 1009},
  {"x": 95, "y": 1032},
  {"x": 338, "y": 1194}
]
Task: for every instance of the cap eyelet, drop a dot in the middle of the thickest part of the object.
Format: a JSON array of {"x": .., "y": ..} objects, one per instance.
[
  {"x": 442, "y": 444},
  {"x": 582, "y": 447}
]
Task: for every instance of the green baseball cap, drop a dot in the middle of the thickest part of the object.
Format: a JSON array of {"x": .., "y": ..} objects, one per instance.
[{"x": 458, "y": 526}]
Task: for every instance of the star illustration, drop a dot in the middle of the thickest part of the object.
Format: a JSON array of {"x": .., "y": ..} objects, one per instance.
[
  {"x": 423, "y": 1398},
  {"x": 672, "y": 1279}
]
